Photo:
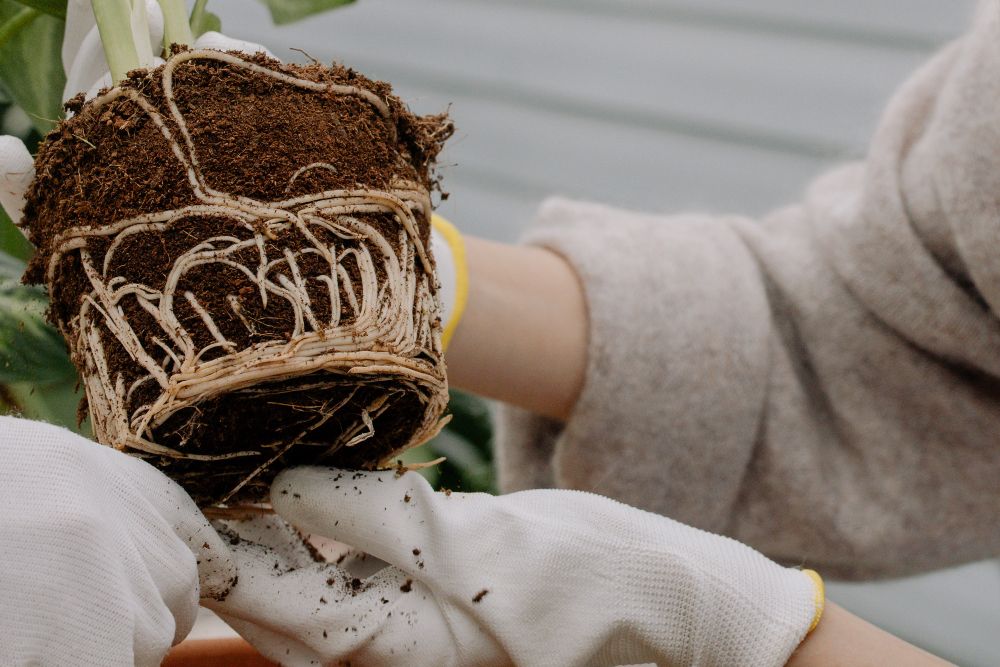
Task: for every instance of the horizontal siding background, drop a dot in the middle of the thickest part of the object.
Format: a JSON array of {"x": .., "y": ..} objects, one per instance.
[{"x": 718, "y": 105}]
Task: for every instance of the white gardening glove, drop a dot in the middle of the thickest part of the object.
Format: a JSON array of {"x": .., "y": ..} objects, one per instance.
[
  {"x": 533, "y": 578},
  {"x": 98, "y": 553},
  {"x": 17, "y": 169}
]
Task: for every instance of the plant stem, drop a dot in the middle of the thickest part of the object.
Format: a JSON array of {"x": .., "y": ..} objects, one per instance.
[
  {"x": 114, "y": 22},
  {"x": 198, "y": 14},
  {"x": 20, "y": 21},
  {"x": 176, "y": 29}
]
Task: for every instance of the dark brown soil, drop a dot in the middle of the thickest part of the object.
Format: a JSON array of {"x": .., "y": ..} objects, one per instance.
[{"x": 251, "y": 134}]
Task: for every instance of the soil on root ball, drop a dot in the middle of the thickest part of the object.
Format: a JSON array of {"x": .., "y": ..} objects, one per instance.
[{"x": 237, "y": 252}]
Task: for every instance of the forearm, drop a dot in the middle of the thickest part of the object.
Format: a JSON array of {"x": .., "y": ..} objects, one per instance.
[
  {"x": 523, "y": 340},
  {"x": 523, "y": 337},
  {"x": 843, "y": 640}
]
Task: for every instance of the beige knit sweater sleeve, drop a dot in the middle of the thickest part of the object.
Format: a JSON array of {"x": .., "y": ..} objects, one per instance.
[{"x": 824, "y": 383}]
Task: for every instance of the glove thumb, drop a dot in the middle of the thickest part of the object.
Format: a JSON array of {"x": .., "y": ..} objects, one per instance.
[
  {"x": 379, "y": 513},
  {"x": 17, "y": 169}
]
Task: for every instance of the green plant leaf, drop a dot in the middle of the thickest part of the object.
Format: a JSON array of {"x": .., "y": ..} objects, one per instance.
[
  {"x": 12, "y": 241},
  {"x": 54, "y": 403},
  {"x": 203, "y": 21},
  {"x": 30, "y": 65},
  {"x": 467, "y": 443},
  {"x": 207, "y": 22},
  {"x": 466, "y": 468},
  {"x": 470, "y": 419},
  {"x": 290, "y": 11},
  {"x": 460, "y": 452},
  {"x": 55, "y": 8},
  {"x": 30, "y": 349},
  {"x": 13, "y": 26}
]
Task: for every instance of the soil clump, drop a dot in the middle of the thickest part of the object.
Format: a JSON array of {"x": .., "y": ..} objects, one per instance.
[{"x": 237, "y": 252}]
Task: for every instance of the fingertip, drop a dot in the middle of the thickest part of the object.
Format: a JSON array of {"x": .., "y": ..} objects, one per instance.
[
  {"x": 154, "y": 23},
  {"x": 154, "y": 18},
  {"x": 14, "y": 155}
]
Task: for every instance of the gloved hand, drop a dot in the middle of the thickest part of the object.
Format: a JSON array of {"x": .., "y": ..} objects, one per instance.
[
  {"x": 98, "y": 553},
  {"x": 533, "y": 578},
  {"x": 17, "y": 169}
]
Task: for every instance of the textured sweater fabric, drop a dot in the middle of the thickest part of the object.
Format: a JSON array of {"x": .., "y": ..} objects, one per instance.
[{"x": 823, "y": 383}]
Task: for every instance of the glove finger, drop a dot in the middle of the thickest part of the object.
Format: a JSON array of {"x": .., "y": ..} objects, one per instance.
[
  {"x": 154, "y": 20},
  {"x": 86, "y": 66},
  {"x": 70, "y": 567},
  {"x": 388, "y": 516},
  {"x": 356, "y": 563},
  {"x": 361, "y": 565},
  {"x": 300, "y": 603},
  {"x": 79, "y": 22},
  {"x": 216, "y": 568},
  {"x": 321, "y": 614},
  {"x": 136, "y": 512},
  {"x": 273, "y": 532},
  {"x": 101, "y": 84},
  {"x": 219, "y": 42},
  {"x": 17, "y": 168}
]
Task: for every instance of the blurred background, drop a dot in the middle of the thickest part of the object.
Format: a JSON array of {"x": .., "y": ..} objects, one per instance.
[{"x": 663, "y": 105}]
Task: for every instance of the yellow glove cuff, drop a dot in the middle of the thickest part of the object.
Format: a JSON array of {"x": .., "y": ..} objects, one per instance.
[
  {"x": 819, "y": 598},
  {"x": 455, "y": 242}
]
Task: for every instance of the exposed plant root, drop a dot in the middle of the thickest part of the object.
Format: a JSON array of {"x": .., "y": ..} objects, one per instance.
[
  {"x": 425, "y": 464},
  {"x": 394, "y": 330},
  {"x": 241, "y": 513}
]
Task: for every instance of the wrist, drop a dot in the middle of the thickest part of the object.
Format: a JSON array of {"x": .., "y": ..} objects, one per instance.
[
  {"x": 523, "y": 336},
  {"x": 841, "y": 638},
  {"x": 819, "y": 598}
]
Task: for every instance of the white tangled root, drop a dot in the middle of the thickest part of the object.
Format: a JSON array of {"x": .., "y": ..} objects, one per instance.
[{"x": 393, "y": 331}]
